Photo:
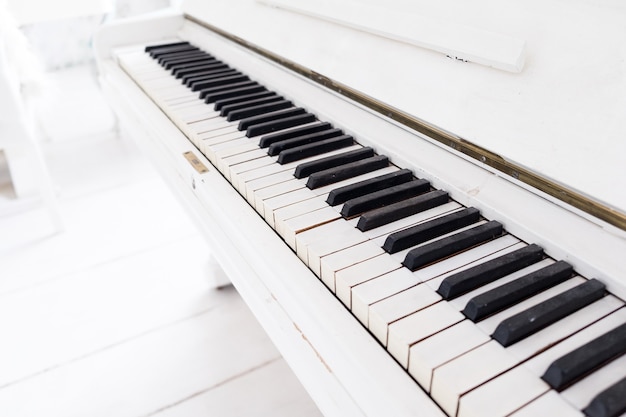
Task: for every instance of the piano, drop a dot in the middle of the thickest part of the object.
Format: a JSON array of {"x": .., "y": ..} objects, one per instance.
[{"x": 421, "y": 203}]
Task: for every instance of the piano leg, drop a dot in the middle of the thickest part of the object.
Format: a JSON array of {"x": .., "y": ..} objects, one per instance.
[{"x": 216, "y": 276}]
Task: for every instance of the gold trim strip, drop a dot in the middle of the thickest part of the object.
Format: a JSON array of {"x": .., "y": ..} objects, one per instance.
[
  {"x": 535, "y": 180},
  {"x": 195, "y": 162}
]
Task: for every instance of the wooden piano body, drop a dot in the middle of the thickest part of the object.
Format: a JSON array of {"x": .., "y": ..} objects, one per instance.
[{"x": 536, "y": 143}]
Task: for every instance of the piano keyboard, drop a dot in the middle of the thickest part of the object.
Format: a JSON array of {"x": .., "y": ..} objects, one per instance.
[{"x": 470, "y": 311}]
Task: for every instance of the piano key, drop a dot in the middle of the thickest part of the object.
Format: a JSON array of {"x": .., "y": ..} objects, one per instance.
[
  {"x": 177, "y": 56},
  {"x": 211, "y": 94},
  {"x": 304, "y": 169},
  {"x": 333, "y": 263},
  {"x": 151, "y": 48},
  {"x": 512, "y": 292},
  {"x": 271, "y": 98},
  {"x": 259, "y": 109},
  {"x": 479, "y": 275},
  {"x": 332, "y": 228},
  {"x": 549, "y": 404},
  {"x": 450, "y": 343},
  {"x": 609, "y": 403},
  {"x": 581, "y": 394},
  {"x": 292, "y": 227},
  {"x": 342, "y": 194},
  {"x": 188, "y": 62},
  {"x": 219, "y": 104},
  {"x": 277, "y": 147},
  {"x": 235, "y": 92},
  {"x": 535, "y": 318},
  {"x": 447, "y": 246},
  {"x": 193, "y": 68},
  {"x": 418, "y": 326},
  {"x": 377, "y": 199},
  {"x": 581, "y": 361},
  {"x": 502, "y": 395},
  {"x": 461, "y": 301},
  {"x": 424, "y": 232},
  {"x": 157, "y": 52},
  {"x": 245, "y": 123},
  {"x": 218, "y": 81},
  {"x": 188, "y": 75},
  {"x": 354, "y": 277},
  {"x": 460, "y": 375},
  {"x": 267, "y": 140},
  {"x": 334, "y": 175},
  {"x": 317, "y": 148},
  {"x": 402, "y": 209},
  {"x": 391, "y": 309},
  {"x": 280, "y": 124}
]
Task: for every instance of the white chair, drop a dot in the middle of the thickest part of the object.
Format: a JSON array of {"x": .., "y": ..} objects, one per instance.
[{"x": 29, "y": 174}]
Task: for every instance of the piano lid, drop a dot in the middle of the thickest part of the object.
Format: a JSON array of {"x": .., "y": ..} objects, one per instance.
[{"x": 561, "y": 115}]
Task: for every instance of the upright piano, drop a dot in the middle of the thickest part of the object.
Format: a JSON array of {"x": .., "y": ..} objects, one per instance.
[{"x": 421, "y": 202}]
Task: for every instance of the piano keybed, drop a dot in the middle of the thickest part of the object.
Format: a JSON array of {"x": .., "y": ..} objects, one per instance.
[{"x": 469, "y": 310}]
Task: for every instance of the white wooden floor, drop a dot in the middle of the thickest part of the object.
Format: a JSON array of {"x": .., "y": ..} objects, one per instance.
[{"x": 113, "y": 316}]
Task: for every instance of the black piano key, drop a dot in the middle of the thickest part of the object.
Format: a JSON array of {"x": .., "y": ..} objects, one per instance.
[
  {"x": 186, "y": 62},
  {"x": 381, "y": 198},
  {"x": 280, "y": 124},
  {"x": 267, "y": 140},
  {"x": 269, "y": 117},
  {"x": 609, "y": 403},
  {"x": 271, "y": 98},
  {"x": 343, "y": 172},
  {"x": 486, "y": 272},
  {"x": 278, "y": 147},
  {"x": 429, "y": 230},
  {"x": 582, "y": 361},
  {"x": 219, "y": 104},
  {"x": 535, "y": 318},
  {"x": 156, "y": 53},
  {"x": 345, "y": 193},
  {"x": 175, "y": 56},
  {"x": 451, "y": 245},
  {"x": 150, "y": 48},
  {"x": 401, "y": 209},
  {"x": 218, "y": 81},
  {"x": 211, "y": 95},
  {"x": 504, "y": 296},
  {"x": 307, "y": 168},
  {"x": 258, "y": 109},
  {"x": 211, "y": 71},
  {"x": 312, "y": 149},
  {"x": 174, "y": 70},
  {"x": 203, "y": 70}
]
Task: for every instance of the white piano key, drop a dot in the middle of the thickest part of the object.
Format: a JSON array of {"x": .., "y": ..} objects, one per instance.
[
  {"x": 334, "y": 228},
  {"x": 227, "y": 163},
  {"x": 296, "y": 225},
  {"x": 431, "y": 353},
  {"x": 271, "y": 205},
  {"x": 400, "y": 305},
  {"x": 320, "y": 248},
  {"x": 250, "y": 165},
  {"x": 267, "y": 181},
  {"x": 235, "y": 148},
  {"x": 273, "y": 191},
  {"x": 297, "y": 209},
  {"x": 540, "y": 363},
  {"x": 580, "y": 394},
  {"x": 418, "y": 326},
  {"x": 374, "y": 286},
  {"x": 201, "y": 136},
  {"x": 466, "y": 372},
  {"x": 502, "y": 395},
  {"x": 549, "y": 404},
  {"x": 334, "y": 263}
]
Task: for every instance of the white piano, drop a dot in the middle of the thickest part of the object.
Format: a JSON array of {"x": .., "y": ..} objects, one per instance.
[{"x": 422, "y": 203}]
